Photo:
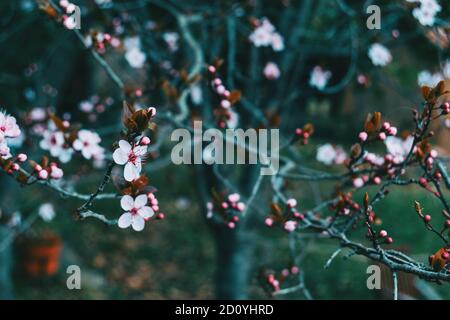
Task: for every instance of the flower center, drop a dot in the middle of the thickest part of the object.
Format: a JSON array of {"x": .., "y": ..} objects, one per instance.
[
  {"x": 134, "y": 211},
  {"x": 3, "y": 128},
  {"x": 132, "y": 157}
]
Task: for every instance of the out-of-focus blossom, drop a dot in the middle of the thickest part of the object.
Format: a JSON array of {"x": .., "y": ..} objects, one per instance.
[
  {"x": 319, "y": 78},
  {"x": 398, "y": 147},
  {"x": 136, "y": 58},
  {"x": 426, "y": 12},
  {"x": 328, "y": 154},
  {"x": 54, "y": 142},
  {"x": 379, "y": 55},
  {"x": 47, "y": 212},
  {"x": 271, "y": 71},
  {"x": 171, "y": 39},
  {"x": 87, "y": 143},
  {"x": 265, "y": 35}
]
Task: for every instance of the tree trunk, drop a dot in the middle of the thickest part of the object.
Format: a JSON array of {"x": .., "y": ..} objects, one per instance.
[{"x": 233, "y": 263}]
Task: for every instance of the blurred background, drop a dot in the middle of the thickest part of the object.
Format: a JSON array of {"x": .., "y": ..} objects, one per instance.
[{"x": 46, "y": 68}]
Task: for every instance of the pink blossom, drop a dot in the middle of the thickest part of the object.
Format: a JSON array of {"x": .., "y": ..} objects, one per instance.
[
  {"x": 290, "y": 225},
  {"x": 88, "y": 143},
  {"x": 54, "y": 141},
  {"x": 271, "y": 71},
  {"x": 363, "y": 136},
  {"x": 136, "y": 212},
  {"x": 8, "y": 127},
  {"x": 131, "y": 157},
  {"x": 291, "y": 203},
  {"x": 358, "y": 182}
]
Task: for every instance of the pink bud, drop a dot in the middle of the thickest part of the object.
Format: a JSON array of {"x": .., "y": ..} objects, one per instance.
[
  {"x": 392, "y": 131},
  {"x": 423, "y": 182},
  {"x": 160, "y": 216},
  {"x": 234, "y": 197},
  {"x": 240, "y": 206},
  {"x": 383, "y": 233},
  {"x": 298, "y": 131},
  {"x": 285, "y": 272},
  {"x": 43, "y": 174},
  {"x": 382, "y": 136},
  {"x": 217, "y": 82},
  {"x": 427, "y": 218},
  {"x": 363, "y": 136},
  {"x": 15, "y": 167},
  {"x": 152, "y": 111},
  {"x": 225, "y": 104},
  {"x": 231, "y": 225},
  {"x": 145, "y": 141},
  {"x": 37, "y": 168},
  {"x": 294, "y": 270},
  {"x": 377, "y": 180},
  {"x": 389, "y": 240},
  {"x": 386, "y": 125},
  {"x": 22, "y": 157},
  {"x": 433, "y": 153},
  {"x": 291, "y": 203},
  {"x": 268, "y": 222},
  {"x": 212, "y": 69},
  {"x": 445, "y": 255},
  {"x": 224, "y": 205}
]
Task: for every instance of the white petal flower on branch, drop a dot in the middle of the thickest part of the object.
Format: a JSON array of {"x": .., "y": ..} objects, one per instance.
[
  {"x": 131, "y": 157},
  {"x": 136, "y": 212}
]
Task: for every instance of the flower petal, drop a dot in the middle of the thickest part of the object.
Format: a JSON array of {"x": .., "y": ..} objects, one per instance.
[
  {"x": 131, "y": 172},
  {"x": 140, "y": 150},
  {"x": 138, "y": 223},
  {"x": 146, "y": 212},
  {"x": 125, "y": 146},
  {"x": 120, "y": 156},
  {"x": 127, "y": 203},
  {"x": 125, "y": 220},
  {"x": 140, "y": 201},
  {"x": 78, "y": 145}
]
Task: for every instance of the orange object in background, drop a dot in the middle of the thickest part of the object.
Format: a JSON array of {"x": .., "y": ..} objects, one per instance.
[{"x": 39, "y": 256}]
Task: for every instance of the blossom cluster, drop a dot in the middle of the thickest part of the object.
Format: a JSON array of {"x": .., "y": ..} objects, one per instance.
[
  {"x": 265, "y": 35},
  {"x": 229, "y": 209},
  {"x": 426, "y": 11},
  {"x": 134, "y": 53},
  {"x": 8, "y": 130},
  {"x": 61, "y": 141},
  {"x": 289, "y": 218},
  {"x": 225, "y": 115},
  {"x": 274, "y": 280}
]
